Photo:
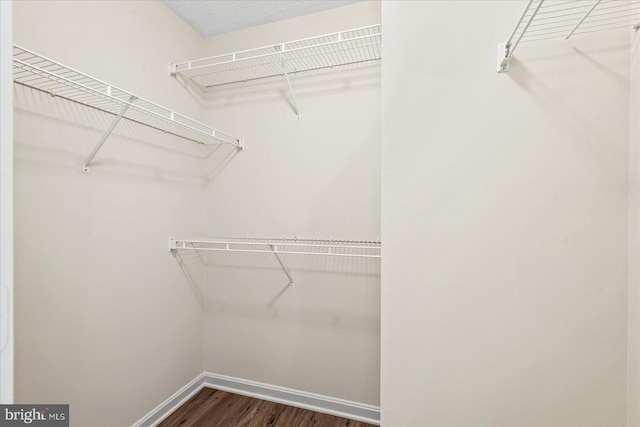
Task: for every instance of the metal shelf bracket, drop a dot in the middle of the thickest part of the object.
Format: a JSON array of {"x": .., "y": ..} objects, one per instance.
[
  {"x": 503, "y": 58},
  {"x": 274, "y": 248},
  {"x": 294, "y": 104},
  {"x": 85, "y": 166}
]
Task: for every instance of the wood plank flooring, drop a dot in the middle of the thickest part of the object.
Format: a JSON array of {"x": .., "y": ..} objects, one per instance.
[{"x": 215, "y": 408}]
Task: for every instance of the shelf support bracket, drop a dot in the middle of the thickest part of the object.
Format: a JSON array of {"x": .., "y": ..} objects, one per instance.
[
  {"x": 274, "y": 249},
  {"x": 293, "y": 96},
  {"x": 583, "y": 18},
  {"x": 85, "y": 166}
]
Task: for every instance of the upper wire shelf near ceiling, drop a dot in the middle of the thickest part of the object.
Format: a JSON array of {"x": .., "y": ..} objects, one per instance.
[
  {"x": 326, "y": 51},
  {"x": 543, "y": 20},
  {"x": 38, "y": 72}
]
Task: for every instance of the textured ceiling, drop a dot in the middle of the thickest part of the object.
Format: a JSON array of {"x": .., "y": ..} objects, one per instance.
[{"x": 220, "y": 16}]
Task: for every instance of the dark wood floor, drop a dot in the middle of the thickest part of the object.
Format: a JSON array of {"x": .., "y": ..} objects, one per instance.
[{"x": 215, "y": 408}]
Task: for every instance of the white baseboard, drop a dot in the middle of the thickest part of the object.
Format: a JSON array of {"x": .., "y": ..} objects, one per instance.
[
  {"x": 300, "y": 399},
  {"x": 167, "y": 407}
]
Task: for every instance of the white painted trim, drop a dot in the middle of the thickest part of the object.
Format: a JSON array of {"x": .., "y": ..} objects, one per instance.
[
  {"x": 633, "y": 269},
  {"x": 299, "y": 399},
  {"x": 166, "y": 408},
  {"x": 6, "y": 203}
]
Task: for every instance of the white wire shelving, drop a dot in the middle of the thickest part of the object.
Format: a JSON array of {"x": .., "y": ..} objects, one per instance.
[
  {"x": 345, "y": 248},
  {"x": 543, "y": 20},
  {"x": 277, "y": 247},
  {"x": 38, "y": 72},
  {"x": 326, "y": 51},
  {"x": 315, "y": 53}
]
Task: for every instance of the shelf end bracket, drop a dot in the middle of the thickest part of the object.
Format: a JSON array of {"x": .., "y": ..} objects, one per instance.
[
  {"x": 85, "y": 166},
  {"x": 173, "y": 244},
  {"x": 505, "y": 50},
  {"x": 504, "y": 57}
]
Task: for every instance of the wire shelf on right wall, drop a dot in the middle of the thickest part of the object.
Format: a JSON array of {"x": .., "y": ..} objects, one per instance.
[{"x": 543, "y": 20}]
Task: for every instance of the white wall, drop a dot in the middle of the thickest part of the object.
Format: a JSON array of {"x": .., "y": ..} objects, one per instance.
[
  {"x": 504, "y": 222},
  {"x": 314, "y": 178},
  {"x": 633, "y": 362},
  {"x": 106, "y": 319}
]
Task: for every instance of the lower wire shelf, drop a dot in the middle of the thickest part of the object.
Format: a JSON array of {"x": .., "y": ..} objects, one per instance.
[
  {"x": 340, "y": 248},
  {"x": 277, "y": 247}
]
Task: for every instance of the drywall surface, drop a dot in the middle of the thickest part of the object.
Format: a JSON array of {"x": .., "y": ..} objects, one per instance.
[
  {"x": 504, "y": 222},
  {"x": 314, "y": 178},
  {"x": 106, "y": 319},
  {"x": 633, "y": 362}
]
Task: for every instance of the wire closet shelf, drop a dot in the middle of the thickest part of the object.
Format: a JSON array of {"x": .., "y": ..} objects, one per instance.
[
  {"x": 339, "y": 248},
  {"x": 543, "y": 20},
  {"x": 38, "y": 72},
  {"x": 315, "y": 53}
]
